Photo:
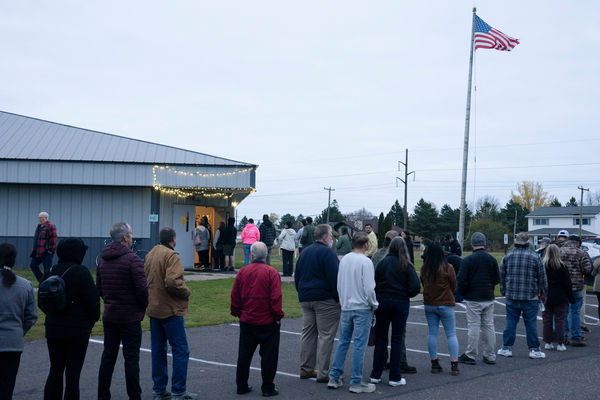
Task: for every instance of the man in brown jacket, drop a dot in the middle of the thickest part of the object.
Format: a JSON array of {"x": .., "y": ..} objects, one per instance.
[{"x": 167, "y": 304}]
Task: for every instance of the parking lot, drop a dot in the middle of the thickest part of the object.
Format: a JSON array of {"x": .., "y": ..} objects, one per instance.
[{"x": 214, "y": 353}]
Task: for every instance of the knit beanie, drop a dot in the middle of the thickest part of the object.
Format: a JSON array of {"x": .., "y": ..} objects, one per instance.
[
  {"x": 71, "y": 249},
  {"x": 478, "y": 239}
]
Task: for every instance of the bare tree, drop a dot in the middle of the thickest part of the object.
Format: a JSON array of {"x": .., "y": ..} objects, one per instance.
[{"x": 593, "y": 198}]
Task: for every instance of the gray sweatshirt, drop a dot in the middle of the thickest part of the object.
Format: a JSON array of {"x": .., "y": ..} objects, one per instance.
[
  {"x": 356, "y": 283},
  {"x": 18, "y": 313}
]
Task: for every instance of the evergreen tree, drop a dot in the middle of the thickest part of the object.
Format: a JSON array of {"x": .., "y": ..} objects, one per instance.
[
  {"x": 555, "y": 203},
  {"x": 243, "y": 223},
  {"x": 507, "y": 216},
  {"x": 572, "y": 203},
  {"x": 425, "y": 220},
  {"x": 287, "y": 218},
  {"x": 335, "y": 215},
  {"x": 397, "y": 213},
  {"x": 449, "y": 219},
  {"x": 380, "y": 230}
]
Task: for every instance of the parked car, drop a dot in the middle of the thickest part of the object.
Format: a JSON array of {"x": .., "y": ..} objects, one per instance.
[{"x": 591, "y": 248}]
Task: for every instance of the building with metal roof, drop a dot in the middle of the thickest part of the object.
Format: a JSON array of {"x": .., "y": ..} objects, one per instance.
[
  {"x": 87, "y": 180},
  {"x": 548, "y": 221}
]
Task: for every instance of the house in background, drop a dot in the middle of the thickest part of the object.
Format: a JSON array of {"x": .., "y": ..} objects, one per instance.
[
  {"x": 548, "y": 221},
  {"x": 88, "y": 180}
]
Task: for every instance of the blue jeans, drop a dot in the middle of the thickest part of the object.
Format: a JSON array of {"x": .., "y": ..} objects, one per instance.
[
  {"x": 394, "y": 311},
  {"x": 359, "y": 323},
  {"x": 573, "y": 317},
  {"x": 46, "y": 261},
  {"x": 434, "y": 315},
  {"x": 170, "y": 329},
  {"x": 246, "y": 253},
  {"x": 514, "y": 308}
]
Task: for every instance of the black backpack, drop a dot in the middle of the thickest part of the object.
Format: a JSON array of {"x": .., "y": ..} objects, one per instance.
[{"x": 52, "y": 293}]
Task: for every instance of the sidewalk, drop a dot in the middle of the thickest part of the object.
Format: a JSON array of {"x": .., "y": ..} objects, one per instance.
[{"x": 191, "y": 275}]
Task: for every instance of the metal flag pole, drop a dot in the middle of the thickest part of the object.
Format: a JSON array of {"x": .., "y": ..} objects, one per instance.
[{"x": 463, "y": 189}]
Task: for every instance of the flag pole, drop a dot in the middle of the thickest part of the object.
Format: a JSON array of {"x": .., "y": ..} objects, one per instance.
[{"x": 463, "y": 189}]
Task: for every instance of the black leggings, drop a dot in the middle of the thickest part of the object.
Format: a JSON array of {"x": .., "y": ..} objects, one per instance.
[
  {"x": 66, "y": 358},
  {"x": 9, "y": 366}
]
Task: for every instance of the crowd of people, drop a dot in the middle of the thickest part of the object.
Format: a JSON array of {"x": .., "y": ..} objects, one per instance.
[{"x": 357, "y": 289}]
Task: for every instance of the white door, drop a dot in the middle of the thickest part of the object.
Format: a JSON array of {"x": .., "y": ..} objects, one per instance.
[{"x": 184, "y": 219}]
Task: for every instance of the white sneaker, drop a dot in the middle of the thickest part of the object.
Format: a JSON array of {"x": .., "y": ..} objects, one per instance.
[
  {"x": 505, "y": 352},
  {"x": 334, "y": 383},
  {"x": 375, "y": 380},
  {"x": 536, "y": 354},
  {"x": 561, "y": 347},
  {"x": 401, "y": 382},
  {"x": 549, "y": 346},
  {"x": 362, "y": 387}
]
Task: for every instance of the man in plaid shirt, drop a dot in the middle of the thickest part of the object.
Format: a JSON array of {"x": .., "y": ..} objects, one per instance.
[
  {"x": 44, "y": 246},
  {"x": 522, "y": 280}
]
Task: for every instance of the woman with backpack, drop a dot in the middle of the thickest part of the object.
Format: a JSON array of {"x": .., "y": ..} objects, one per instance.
[
  {"x": 439, "y": 284},
  {"x": 68, "y": 329},
  {"x": 17, "y": 302}
]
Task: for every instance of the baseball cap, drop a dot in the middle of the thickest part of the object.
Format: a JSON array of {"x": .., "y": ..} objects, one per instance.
[{"x": 563, "y": 232}]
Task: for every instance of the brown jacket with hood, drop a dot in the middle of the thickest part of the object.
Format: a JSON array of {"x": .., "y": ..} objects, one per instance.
[{"x": 167, "y": 292}]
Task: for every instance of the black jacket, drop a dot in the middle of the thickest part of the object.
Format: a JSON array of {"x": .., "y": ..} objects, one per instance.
[
  {"x": 392, "y": 283},
  {"x": 478, "y": 276},
  {"x": 267, "y": 233},
  {"x": 83, "y": 309},
  {"x": 559, "y": 286}
]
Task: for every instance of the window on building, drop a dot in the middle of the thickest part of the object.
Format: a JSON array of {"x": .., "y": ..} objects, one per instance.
[
  {"x": 542, "y": 221},
  {"x": 584, "y": 221}
]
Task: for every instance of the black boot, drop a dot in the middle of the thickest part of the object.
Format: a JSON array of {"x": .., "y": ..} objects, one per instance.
[
  {"x": 454, "y": 370},
  {"x": 436, "y": 368}
]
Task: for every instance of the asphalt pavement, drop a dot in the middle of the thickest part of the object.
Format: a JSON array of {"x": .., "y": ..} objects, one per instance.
[{"x": 213, "y": 354}]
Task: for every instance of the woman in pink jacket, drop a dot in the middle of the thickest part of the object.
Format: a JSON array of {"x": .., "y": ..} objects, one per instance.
[{"x": 250, "y": 234}]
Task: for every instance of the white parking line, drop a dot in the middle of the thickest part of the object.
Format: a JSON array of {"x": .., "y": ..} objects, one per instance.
[{"x": 219, "y": 364}]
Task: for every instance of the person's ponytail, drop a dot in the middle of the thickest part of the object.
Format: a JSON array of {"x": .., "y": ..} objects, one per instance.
[{"x": 8, "y": 256}]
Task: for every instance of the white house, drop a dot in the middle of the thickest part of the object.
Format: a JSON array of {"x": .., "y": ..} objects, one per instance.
[{"x": 547, "y": 221}]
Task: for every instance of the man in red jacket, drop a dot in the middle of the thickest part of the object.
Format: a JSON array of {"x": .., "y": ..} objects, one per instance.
[{"x": 256, "y": 300}]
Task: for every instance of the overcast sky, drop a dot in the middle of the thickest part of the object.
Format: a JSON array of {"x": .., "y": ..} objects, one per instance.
[{"x": 323, "y": 93}]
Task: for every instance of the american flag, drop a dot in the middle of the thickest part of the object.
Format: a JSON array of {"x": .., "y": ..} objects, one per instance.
[{"x": 487, "y": 37}]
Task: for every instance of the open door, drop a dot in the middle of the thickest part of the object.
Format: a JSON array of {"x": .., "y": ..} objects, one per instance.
[
  {"x": 184, "y": 219},
  {"x": 208, "y": 212}
]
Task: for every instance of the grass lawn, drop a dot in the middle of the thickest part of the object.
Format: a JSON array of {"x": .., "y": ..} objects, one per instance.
[{"x": 209, "y": 303}]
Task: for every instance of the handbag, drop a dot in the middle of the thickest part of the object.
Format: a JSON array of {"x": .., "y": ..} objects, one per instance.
[
  {"x": 371, "y": 341},
  {"x": 197, "y": 240}
]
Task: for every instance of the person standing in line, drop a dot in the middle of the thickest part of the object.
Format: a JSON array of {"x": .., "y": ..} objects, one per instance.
[
  {"x": 559, "y": 296},
  {"x": 522, "y": 281},
  {"x": 299, "y": 236},
  {"x": 596, "y": 274},
  {"x": 122, "y": 285},
  {"x": 256, "y": 300},
  {"x": 18, "y": 315},
  {"x": 452, "y": 246},
  {"x": 439, "y": 284},
  {"x": 372, "y": 240},
  {"x": 44, "y": 246},
  {"x": 250, "y": 234},
  {"x": 409, "y": 245},
  {"x": 202, "y": 242},
  {"x": 477, "y": 278},
  {"x": 343, "y": 245},
  {"x": 578, "y": 264},
  {"x": 229, "y": 241},
  {"x": 288, "y": 246},
  {"x": 267, "y": 235},
  {"x": 218, "y": 247},
  {"x": 68, "y": 331},
  {"x": 356, "y": 286},
  {"x": 168, "y": 298},
  {"x": 316, "y": 283},
  {"x": 396, "y": 281},
  {"x": 308, "y": 233}
]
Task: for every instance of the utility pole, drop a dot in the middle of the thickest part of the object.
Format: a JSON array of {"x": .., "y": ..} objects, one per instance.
[
  {"x": 328, "y": 201},
  {"x": 405, "y": 181},
  {"x": 581, "y": 207}
]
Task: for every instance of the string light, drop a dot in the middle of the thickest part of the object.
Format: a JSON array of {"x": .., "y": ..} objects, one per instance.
[{"x": 190, "y": 191}]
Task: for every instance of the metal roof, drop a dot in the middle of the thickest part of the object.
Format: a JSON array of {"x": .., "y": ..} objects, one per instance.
[
  {"x": 20, "y": 136},
  {"x": 563, "y": 211}
]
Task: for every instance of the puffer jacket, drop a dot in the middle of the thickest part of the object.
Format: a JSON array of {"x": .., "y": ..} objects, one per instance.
[
  {"x": 122, "y": 285},
  {"x": 167, "y": 292},
  {"x": 267, "y": 233},
  {"x": 596, "y": 273},
  {"x": 286, "y": 239}
]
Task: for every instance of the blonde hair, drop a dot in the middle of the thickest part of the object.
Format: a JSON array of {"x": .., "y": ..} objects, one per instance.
[{"x": 552, "y": 257}]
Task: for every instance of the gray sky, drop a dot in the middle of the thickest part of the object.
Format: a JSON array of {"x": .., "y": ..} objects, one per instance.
[{"x": 323, "y": 93}]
